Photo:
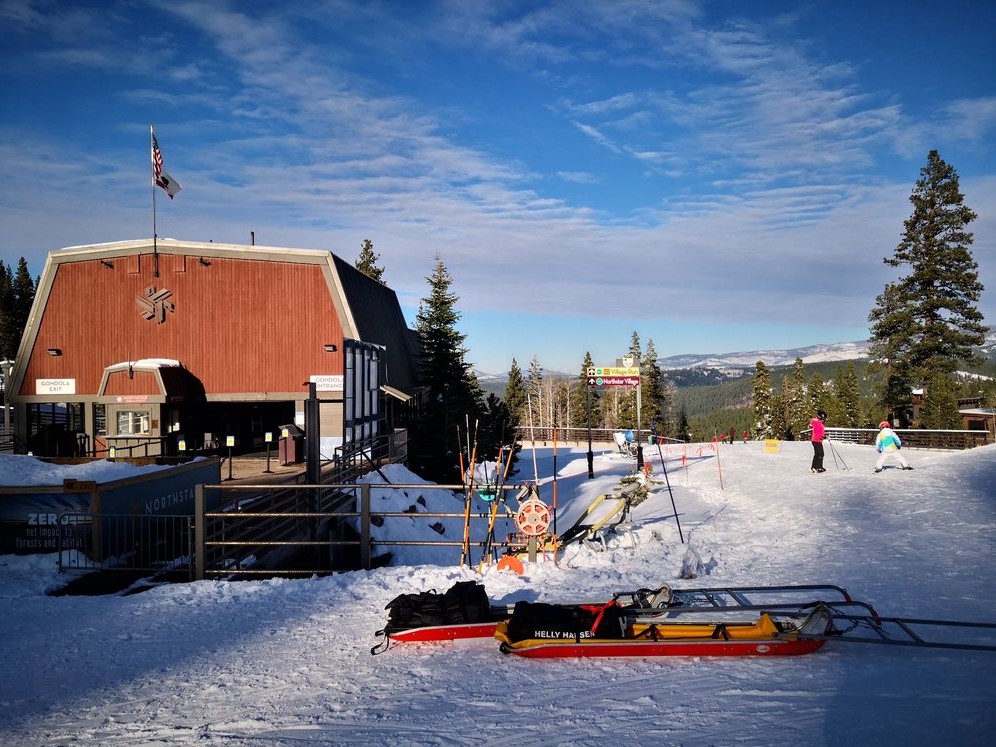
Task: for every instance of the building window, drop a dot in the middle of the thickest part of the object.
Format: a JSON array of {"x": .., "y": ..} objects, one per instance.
[
  {"x": 99, "y": 419},
  {"x": 133, "y": 422}
]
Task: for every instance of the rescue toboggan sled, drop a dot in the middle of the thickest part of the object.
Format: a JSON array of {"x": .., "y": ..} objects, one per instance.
[
  {"x": 769, "y": 634},
  {"x": 465, "y": 612},
  {"x": 717, "y": 621}
]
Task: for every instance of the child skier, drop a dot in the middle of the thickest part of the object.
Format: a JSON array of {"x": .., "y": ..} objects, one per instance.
[
  {"x": 887, "y": 444},
  {"x": 819, "y": 433}
]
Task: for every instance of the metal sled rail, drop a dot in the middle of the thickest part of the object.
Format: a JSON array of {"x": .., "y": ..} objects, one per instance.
[
  {"x": 777, "y": 610},
  {"x": 900, "y": 631},
  {"x": 742, "y": 595}
]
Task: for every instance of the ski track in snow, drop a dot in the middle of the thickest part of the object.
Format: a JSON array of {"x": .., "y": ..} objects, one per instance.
[{"x": 281, "y": 662}]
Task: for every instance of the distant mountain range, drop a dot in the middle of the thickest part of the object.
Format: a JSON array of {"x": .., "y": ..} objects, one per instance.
[
  {"x": 840, "y": 351},
  {"x": 732, "y": 365}
]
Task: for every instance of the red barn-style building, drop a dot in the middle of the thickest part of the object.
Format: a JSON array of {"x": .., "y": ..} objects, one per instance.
[{"x": 152, "y": 346}]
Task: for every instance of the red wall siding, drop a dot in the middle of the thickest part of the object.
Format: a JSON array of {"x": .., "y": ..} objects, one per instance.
[{"x": 238, "y": 325}]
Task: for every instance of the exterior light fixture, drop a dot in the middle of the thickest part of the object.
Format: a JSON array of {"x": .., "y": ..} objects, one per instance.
[
  {"x": 330, "y": 347},
  {"x": 54, "y": 351}
]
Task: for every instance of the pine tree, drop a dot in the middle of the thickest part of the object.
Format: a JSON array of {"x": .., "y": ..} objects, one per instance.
[
  {"x": 515, "y": 393},
  {"x": 534, "y": 389},
  {"x": 627, "y": 397},
  {"x": 17, "y": 293},
  {"x": 848, "y": 397},
  {"x": 682, "y": 430},
  {"x": 654, "y": 399},
  {"x": 821, "y": 398},
  {"x": 927, "y": 321},
  {"x": 779, "y": 410},
  {"x": 586, "y": 396},
  {"x": 8, "y": 337},
  {"x": 454, "y": 393},
  {"x": 761, "y": 403},
  {"x": 940, "y": 404},
  {"x": 367, "y": 262},
  {"x": 797, "y": 411}
]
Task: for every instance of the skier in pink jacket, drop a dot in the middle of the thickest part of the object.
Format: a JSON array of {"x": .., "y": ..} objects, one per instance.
[{"x": 819, "y": 433}]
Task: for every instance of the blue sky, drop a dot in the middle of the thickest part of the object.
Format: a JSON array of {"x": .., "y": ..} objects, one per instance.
[{"x": 715, "y": 176}]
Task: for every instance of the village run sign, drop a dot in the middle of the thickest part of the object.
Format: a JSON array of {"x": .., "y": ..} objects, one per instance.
[{"x": 617, "y": 376}]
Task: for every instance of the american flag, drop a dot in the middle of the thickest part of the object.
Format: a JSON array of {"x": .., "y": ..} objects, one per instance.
[
  {"x": 157, "y": 158},
  {"x": 162, "y": 179}
]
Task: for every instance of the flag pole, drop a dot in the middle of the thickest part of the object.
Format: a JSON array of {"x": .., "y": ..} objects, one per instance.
[{"x": 152, "y": 164}]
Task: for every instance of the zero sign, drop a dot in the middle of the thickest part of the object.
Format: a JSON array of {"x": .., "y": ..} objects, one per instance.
[{"x": 533, "y": 518}]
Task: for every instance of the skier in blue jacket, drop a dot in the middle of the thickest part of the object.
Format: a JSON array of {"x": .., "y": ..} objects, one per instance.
[{"x": 888, "y": 444}]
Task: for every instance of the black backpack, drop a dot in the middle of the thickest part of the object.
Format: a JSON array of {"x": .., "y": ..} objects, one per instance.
[
  {"x": 537, "y": 620},
  {"x": 464, "y": 602}
]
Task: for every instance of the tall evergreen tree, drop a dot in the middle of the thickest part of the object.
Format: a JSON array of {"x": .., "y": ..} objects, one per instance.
[
  {"x": 798, "y": 411},
  {"x": 820, "y": 397},
  {"x": 654, "y": 399},
  {"x": 515, "y": 393},
  {"x": 762, "y": 404},
  {"x": 927, "y": 321},
  {"x": 454, "y": 393},
  {"x": 682, "y": 429},
  {"x": 17, "y": 293},
  {"x": 848, "y": 396},
  {"x": 587, "y": 396},
  {"x": 534, "y": 388},
  {"x": 8, "y": 345},
  {"x": 940, "y": 404},
  {"x": 367, "y": 261},
  {"x": 627, "y": 396}
]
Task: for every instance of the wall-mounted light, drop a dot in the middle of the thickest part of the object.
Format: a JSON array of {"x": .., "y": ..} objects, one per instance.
[
  {"x": 54, "y": 351},
  {"x": 204, "y": 262},
  {"x": 107, "y": 263},
  {"x": 330, "y": 347}
]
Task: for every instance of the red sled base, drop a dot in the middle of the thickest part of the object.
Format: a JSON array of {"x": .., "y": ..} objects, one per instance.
[{"x": 601, "y": 649}]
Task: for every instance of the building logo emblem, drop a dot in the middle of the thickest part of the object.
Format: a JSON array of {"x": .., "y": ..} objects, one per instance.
[{"x": 155, "y": 304}]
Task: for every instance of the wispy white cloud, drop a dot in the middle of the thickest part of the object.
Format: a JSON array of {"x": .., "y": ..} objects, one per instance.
[{"x": 741, "y": 169}]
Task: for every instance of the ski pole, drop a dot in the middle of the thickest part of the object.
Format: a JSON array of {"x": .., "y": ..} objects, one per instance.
[
  {"x": 668, "y": 481},
  {"x": 833, "y": 450},
  {"x": 554, "y": 494}
]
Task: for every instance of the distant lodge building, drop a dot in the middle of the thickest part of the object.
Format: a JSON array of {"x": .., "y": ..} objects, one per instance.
[{"x": 155, "y": 347}]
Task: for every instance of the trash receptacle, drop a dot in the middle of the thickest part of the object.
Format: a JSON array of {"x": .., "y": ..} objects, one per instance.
[{"x": 290, "y": 445}]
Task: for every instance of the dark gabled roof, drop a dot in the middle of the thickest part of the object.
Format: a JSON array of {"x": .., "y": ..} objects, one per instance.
[{"x": 378, "y": 319}]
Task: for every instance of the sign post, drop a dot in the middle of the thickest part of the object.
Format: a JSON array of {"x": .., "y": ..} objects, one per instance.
[{"x": 229, "y": 442}]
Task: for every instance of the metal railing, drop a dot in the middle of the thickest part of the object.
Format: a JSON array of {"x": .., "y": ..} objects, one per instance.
[
  {"x": 153, "y": 543},
  {"x": 911, "y": 437},
  {"x": 237, "y": 540}
]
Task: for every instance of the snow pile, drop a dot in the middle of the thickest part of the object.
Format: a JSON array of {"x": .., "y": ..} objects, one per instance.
[{"x": 19, "y": 470}]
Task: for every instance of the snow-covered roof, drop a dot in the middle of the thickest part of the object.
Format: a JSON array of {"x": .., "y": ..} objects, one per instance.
[{"x": 145, "y": 363}]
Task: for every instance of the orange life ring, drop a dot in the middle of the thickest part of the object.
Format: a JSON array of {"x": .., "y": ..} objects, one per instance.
[{"x": 533, "y": 518}]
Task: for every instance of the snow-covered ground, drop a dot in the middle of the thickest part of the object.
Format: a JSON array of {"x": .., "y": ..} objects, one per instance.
[{"x": 287, "y": 662}]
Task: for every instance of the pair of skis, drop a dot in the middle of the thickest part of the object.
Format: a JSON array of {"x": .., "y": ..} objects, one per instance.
[
  {"x": 467, "y": 477},
  {"x": 502, "y": 469}
]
